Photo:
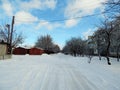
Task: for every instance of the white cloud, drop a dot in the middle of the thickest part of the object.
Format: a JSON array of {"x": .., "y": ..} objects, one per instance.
[
  {"x": 79, "y": 8},
  {"x": 50, "y": 3},
  {"x": 38, "y": 4},
  {"x": 71, "y": 23},
  {"x": 7, "y": 7},
  {"x": 47, "y": 25},
  {"x": 23, "y": 17},
  {"x": 89, "y": 32}
]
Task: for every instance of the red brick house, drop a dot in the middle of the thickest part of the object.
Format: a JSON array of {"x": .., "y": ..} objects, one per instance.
[
  {"x": 19, "y": 51},
  {"x": 36, "y": 51}
]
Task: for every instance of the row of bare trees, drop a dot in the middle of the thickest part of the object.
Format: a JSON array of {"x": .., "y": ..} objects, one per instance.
[
  {"x": 75, "y": 47},
  {"x": 107, "y": 38},
  {"x": 78, "y": 47},
  {"x": 112, "y": 8},
  {"x": 46, "y": 43}
]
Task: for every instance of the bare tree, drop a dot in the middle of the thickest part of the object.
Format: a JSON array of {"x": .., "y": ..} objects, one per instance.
[
  {"x": 99, "y": 42},
  {"x": 74, "y": 46},
  {"x": 5, "y": 34},
  {"x": 89, "y": 53},
  {"x": 89, "y": 48},
  {"x": 116, "y": 43},
  {"x": 113, "y": 7},
  {"x": 44, "y": 42},
  {"x": 66, "y": 49},
  {"x": 56, "y": 49},
  {"x": 17, "y": 39},
  {"x": 106, "y": 31},
  {"x": 97, "y": 39},
  {"x": 116, "y": 37}
]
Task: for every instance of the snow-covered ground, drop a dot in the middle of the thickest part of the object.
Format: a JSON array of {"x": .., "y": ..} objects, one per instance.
[{"x": 58, "y": 72}]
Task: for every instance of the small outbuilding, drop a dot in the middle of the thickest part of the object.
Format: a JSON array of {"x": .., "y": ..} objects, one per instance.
[
  {"x": 36, "y": 51},
  {"x": 19, "y": 51},
  {"x": 4, "y": 50}
]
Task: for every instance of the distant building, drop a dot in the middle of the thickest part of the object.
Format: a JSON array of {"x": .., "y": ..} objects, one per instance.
[
  {"x": 19, "y": 51},
  {"x": 36, "y": 51},
  {"x": 30, "y": 51},
  {"x": 4, "y": 50}
]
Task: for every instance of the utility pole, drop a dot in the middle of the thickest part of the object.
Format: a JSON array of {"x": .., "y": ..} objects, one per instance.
[
  {"x": 11, "y": 34},
  {"x": 8, "y": 39}
]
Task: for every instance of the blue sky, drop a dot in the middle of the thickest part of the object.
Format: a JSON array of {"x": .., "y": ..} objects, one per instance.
[{"x": 58, "y": 18}]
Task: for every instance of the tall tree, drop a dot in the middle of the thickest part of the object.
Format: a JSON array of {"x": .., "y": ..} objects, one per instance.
[
  {"x": 56, "y": 49},
  {"x": 106, "y": 31},
  {"x": 113, "y": 5},
  {"x": 99, "y": 42},
  {"x": 112, "y": 8},
  {"x": 17, "y": 38},
  {"x": 74, "y": 46},
  {"x": 45, "y": 42},
  {"x": 116, "y": 37}
]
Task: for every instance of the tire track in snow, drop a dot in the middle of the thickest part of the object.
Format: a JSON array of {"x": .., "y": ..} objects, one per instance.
[
  {"x": 24, "y": 81},
  {"x": 28, "y": 81},
  {"x": 64, "y": 77},
  {"x": 59, "y": 80},
  {"x": 39, "y": 78},
  {"x": 76, "y": 81},
  {"x": 45, "y": 80},
  {"x": 51, "y": 79},
  {"x": 50, "y": 76}
]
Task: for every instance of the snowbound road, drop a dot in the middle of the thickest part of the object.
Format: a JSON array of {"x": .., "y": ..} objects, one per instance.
[{"x": 58, "y": 72}]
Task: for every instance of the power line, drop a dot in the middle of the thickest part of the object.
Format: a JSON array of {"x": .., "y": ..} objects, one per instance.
[
  {"x": 59, "y": 5},
  {"x": 65, "y": 19}
]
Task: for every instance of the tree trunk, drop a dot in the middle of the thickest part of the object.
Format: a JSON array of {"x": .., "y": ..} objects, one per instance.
[
  {"x": 108, "y": 60},
  {"x": 99, "y": 51},
  {"x": 99, "y": 56},
  {"x": 108, "y": 46},
  {"x": 90, "y": 58},
  {"x": 118, "y": 58},
  {"x": 75, "y": 54},
  {"x": 117, "y": 53}
]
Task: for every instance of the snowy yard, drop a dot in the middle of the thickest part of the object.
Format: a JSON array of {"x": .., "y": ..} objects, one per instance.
[{"x": 58, "y": 72}]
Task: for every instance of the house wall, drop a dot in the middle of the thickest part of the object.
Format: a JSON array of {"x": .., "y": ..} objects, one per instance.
[
  {"x": 3, "y": 49},
  {"x": 19, "y": 51},
  {"x": 35, "y": 51},
  {"x": 4, "y": 52}
]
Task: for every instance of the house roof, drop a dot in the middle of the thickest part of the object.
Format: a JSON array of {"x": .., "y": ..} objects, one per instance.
[
  {"x": 28, "y": 47},
  {"x": 37, "y": 48}
]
